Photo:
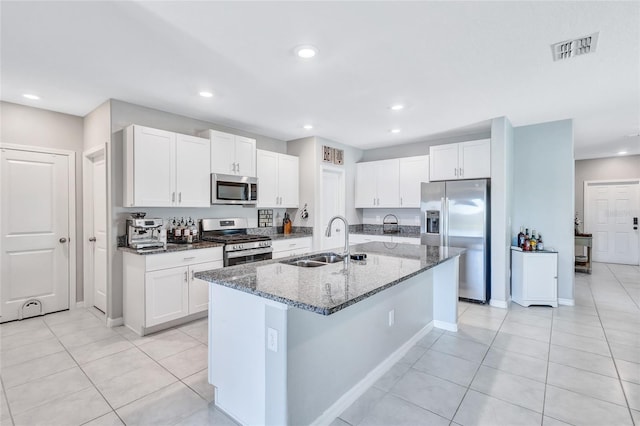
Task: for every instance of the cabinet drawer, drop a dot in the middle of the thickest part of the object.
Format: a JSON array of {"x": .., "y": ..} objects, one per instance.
[
  {"x": 406, "y": 240},
  {"x": 182, "y": 258},
  {"x": 291, "y": 244}
]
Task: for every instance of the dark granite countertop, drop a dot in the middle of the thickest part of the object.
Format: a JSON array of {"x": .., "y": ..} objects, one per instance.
[
  {"x": 380, "y": 233},
  {"x": 173, "y": 247},
  {"x": 330, "y": 288},
  {"x": 293, "y": 235}
]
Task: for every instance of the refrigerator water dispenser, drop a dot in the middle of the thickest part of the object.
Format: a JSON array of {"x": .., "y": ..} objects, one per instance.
[{"x": 433, "y": 221}]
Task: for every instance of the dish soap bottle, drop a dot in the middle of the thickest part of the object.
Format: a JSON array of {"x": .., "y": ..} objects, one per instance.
[{"x": 286, "y": 224}]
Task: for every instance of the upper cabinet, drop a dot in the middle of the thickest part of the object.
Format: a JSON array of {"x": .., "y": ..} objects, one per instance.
[
  {"x": 413, "y": 171},
  {"x": 232, "y": 154},
  {"x": 278, "y": 177},
  {"x": 165, "y": 169},
  {"x": 377, "y": 184},
  {"x": 465, "y": 160}
]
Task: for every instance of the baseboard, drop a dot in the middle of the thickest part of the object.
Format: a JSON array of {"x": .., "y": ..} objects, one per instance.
[
  {"x": 446, "y": 325},
  {"x": 80, "y": 304},
  {"x": 499, "y": 303},
  {"x": 363, "y": 385},
  {"x": 566, "y": 302},
  {"x": 115, "y": 322}
]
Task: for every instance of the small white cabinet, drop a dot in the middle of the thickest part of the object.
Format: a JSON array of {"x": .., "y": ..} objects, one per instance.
[
  {"x": 291, "y": 247},
  {"x": 534, "y": 278},
  {"x": 413, "y": 171},
  {"x": 232, "y": 154},
  {"x": 165, "y": 169},
  {"x": 377, "y": 184},
  {"x": 464, "y": 160},
  {"x": 278, "y": 177},
  {"x": 161, "y": 288}
]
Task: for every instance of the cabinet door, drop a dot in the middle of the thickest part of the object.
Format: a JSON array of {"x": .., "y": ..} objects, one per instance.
[
  {"x": 154, "y": 167},
  {"x": 540, "y": 277},
  {"x": 388, "y": 183},
  {"x": 267, "y": 167},
  {"x": 475, "y": 159},
  {"x": 443, "y": 162},
  {"x": 413, "y": 171},
  {"x": 288, "y": 181},
  {"x": 245, "y": 156},
  {"x": 291, "y": 247},
  {"x": 366, "y": 191},
  {"x": 193, "y": 171},
  {"x": 198, "y": 289},
  {"x": 166, "y": 295},
  {"x": 223, "y": 152}
]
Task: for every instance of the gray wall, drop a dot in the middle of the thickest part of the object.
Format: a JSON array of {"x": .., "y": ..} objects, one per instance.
[
  {"x": 543, "y": 191},
  {"x": 97, "y": 126},
  {"x": 627, "y": 167},
  {"x": 24, "y": 125}
]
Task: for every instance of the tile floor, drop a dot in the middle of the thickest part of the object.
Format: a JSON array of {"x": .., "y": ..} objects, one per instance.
[{"x": 575, "y": 365}]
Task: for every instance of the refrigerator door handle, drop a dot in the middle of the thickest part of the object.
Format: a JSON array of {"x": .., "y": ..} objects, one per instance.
[
  {"x": 443, "y": 221},
  {"x": 446, "y": 221}
]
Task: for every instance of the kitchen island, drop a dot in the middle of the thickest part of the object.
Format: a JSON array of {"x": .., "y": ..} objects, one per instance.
[{"x": 297, "y": 345}]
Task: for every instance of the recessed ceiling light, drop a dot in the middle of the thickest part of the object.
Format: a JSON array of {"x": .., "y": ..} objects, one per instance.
[
  {"x": 395, "y": 130},
  {"x": 32, "y": 97},
  {"x": 397, "y": 107},
  {"x": 307, "y": 127},
  {"x": 622, "y": 152},
  {"x": 306, "y": 51},
  {"x": 206, "y": 94}
]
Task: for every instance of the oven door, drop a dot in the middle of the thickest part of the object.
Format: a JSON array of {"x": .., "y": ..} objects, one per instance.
[{"x": 239, "y": 257}]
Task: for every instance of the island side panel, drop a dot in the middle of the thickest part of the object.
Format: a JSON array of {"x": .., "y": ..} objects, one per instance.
[
  {"x": 445, "y": 294},
  {"x": 330, "y": 355}
]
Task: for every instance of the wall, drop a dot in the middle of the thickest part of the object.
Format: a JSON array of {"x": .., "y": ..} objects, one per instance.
[
  {"x": 544, "y": 190},
  {"x": 24, "y": 125},
  {"x": 124, "y": 114},
  {"x": 97, "y": 126},
  {"x": 627, "y": 167}
]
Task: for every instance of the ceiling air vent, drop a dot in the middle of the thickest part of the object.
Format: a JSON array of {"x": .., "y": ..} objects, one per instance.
[{"x": 570, "y": 48}]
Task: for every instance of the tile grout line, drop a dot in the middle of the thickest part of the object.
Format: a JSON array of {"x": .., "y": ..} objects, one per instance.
[{"x": 4, "y": 395}]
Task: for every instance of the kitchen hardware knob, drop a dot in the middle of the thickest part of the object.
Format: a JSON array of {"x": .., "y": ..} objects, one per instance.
[
  {"x": 63, "y": 240},
  {"x": 92, "y": 239}
]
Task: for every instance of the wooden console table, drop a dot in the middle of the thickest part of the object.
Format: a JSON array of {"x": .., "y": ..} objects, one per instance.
[{"x": 584, "y": 240}]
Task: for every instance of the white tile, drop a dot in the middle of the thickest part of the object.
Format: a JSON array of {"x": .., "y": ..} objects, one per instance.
[
  {"x": 64, "y": 328},
  {"x": 391, "y": 377},
  {"x": 430, "y": 338},
  {"x": 584, "y": 360},
  {"x": 629, "y": 371},
  {"x": 462, "y": 348},
  {"x": 578, "y": 329},
  {"x": 92, "y": 351},
  {"x": 432, "y": 393},
  {"x": 470, "y": 332},
  {"x": 624, "y": 352},
  {"x": 66, "y": 316},
  {"x": 5, "y": 415},
  {"x": 362, "y": 406},
  {"x": 14, "y": 327},
  {"x": 550, "y": 421},
  {"x": 578, "y": 409},
  {"x": 517, "y": 390},
  {"x": 521, "y": 345},
  {"x": 168, "y": 344},
  {"x": 187, "y": 362},
  {"x": 449, "y": 367},
  {"x": 525, "y": 330},
  {"x": 210, "y": 416},
  {"x": 478, "y": 409},
  {"x": 73, "y": 409},
  {"x": 585, "y": 382},
  {"x": 199, "y": 382},
  {"x": 597, "y": 346},
  {"x": 27, "y": 353},
  {"x": 86, "y": 336},
  {"x": 169, "y": 405},
  {"x": 104, "y": 369},
  {"x": 25, "y": 338},
  {"x": 338, "y": 422},
  {"x": 392, "y": 410},
  {"x": 198, "y": 330},
  {"x": 619, "y": 337},
  {"x": 37, "y": 368},
  {"x": 636, "y": 416},
  {"x": 518, "y": 364},
  {"x": 632, "y": 391},
  {"x": 38, "y": 392},
  {"x": 109, "y": 419},
  {"x": 413, "y": 355}
]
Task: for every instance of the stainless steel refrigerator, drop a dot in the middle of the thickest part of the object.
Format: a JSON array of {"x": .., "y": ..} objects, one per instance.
[{"x": 457, "y": 214}]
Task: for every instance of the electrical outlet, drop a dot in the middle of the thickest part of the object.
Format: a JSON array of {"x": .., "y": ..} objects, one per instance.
[
  {"x": 272, "y": 339},
  {"x": 392, "y": 317}
]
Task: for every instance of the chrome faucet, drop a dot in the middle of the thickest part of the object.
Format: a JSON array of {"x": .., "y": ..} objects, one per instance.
[{"x": 346, "y": 235}]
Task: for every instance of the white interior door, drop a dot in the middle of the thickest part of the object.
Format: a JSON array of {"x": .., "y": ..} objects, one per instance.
[
  {"x": 609, "y": 211},
  {"x": 99, "y": 238},
  {"x": 34, "y": 229},
  {"x": 333, "y": 204}
]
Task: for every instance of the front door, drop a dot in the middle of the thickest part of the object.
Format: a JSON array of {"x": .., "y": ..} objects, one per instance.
[
  {"x": 609, "y": 211},
  {"x": 34, "y": 231}
]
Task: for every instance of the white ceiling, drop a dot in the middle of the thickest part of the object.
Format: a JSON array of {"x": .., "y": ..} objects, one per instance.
[{"x": 451, "y": 63}]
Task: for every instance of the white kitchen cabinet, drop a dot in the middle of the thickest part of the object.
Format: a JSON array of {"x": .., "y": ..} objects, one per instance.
[
  {"x": 413, "y": 171},
  {"x": 232, "y": 154},
  {"x": 377, "y": 184},
  {"x": 291, "y": 247},
  {"x": 160, "y": 290},
  {"x": 165, "y": 169},
  {"x": 278, "y": 178},
  {"x": 464, "y": 160},
  {"x": 534, "y": 278},
  {"x": 364, "y": 238}
]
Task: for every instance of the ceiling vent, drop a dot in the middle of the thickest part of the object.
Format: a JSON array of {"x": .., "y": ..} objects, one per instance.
[{"x": 570, "y": 48}]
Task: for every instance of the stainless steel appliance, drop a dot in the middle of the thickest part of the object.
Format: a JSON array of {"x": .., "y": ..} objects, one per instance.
[
  {"x": 239, "y": 247},
  {"x": 457, "y": 214},
  {"x": 231, "y": 189},
  {"x": 146, "y": 234}
]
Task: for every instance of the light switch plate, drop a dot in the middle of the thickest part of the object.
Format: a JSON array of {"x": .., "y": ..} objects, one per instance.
[{"x": 272, "y": 339}]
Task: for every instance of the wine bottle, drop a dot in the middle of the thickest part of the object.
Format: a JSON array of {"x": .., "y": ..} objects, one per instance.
[
  {"x": 533, "y": 241},
  {"x": 521, "y": 237},
  {"x": 540, "y": 245}
]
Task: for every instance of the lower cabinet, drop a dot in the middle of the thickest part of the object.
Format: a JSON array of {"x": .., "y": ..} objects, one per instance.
[
  {"x": 363, "y": 238},
  {"x": 291, "y": 247},
  {"x": 534, "y": 278},
  {"x": 161, "y": 288}
]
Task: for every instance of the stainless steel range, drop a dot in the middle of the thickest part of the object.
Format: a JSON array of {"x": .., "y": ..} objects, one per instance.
[{"x": 239, "y": 247}]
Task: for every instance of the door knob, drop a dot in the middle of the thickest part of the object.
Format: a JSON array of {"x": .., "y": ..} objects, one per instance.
[
  {"x": 92, "y": 239},
  {"x": 63, "y": 240}
]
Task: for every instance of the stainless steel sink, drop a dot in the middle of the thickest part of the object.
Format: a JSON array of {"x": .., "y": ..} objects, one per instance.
[
  {"x": 327, "y": 258},
  {"x": 304, "y": 263},
  {"x": 315, "y": 261}
]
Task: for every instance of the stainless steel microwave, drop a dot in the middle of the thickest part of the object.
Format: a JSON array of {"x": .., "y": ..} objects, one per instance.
[{"x": 231, "y": 189}]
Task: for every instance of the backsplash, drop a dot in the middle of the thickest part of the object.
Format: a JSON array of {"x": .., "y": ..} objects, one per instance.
[
  {"x": 403, "y": 230},
  {"x": 273, "y": 230}
]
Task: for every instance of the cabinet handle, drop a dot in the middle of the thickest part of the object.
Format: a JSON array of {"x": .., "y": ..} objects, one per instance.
[
  {"x": 186, "y": 278},
  {"x": 191, "y": 275},
  {"x": 455, "y": 171},
  {"x": 374, "y": 201},
  {"x": 92, "y": 239},
  {"x": 233, "y": 167},
  {"x": 378, "y": 200},
  {"x": 189, "y": 258},
  {"x": 173, "y": 197},
  {"x": 180, "y": 197},
  {"x": 461, "y": 172},
  {"x": 237, "y": 167},
  {"x": 400, "y": 200}
]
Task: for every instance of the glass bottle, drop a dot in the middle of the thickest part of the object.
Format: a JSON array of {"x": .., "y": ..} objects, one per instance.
[{"x": 521, "y": 237}]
